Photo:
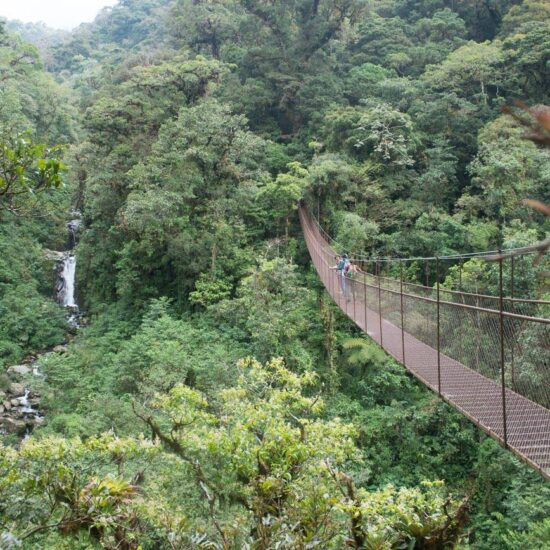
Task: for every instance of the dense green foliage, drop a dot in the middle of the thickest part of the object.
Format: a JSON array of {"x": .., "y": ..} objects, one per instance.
[
  {"x": 34, "y": 118},
  {"x": 215, "y": 398}
]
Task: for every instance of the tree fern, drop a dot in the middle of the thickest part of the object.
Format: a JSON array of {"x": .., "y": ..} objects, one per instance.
[{"x": 363, "y": 352}]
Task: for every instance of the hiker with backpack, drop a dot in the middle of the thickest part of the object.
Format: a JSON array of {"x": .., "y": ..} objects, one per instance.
[
  {"x": 342, "y": 267},
  {"x": 352, "y": 271}
]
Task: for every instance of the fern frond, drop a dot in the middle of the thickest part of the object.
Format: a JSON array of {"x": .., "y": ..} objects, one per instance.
[{"x": 353, "y": 343}]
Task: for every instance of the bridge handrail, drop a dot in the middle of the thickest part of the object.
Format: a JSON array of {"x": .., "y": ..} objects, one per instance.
[
  {"x": 360, "y": 257},
  {"x": 505, "y": 298}
]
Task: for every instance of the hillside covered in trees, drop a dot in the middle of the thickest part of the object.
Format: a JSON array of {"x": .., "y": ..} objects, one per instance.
[{"x": 206, "y": 393}]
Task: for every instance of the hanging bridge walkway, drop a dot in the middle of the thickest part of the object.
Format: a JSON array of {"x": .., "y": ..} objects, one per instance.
[{"x": 486, "y": 355}]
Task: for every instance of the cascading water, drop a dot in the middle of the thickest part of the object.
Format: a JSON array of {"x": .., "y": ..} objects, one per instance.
[
  {"x": 18, "y": 407},
  {"x": 27, "y": 408},
  {"x": 67, "y": 273}
]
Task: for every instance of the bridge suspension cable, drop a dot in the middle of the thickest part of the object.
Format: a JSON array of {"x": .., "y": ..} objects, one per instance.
[
  {"x": 359, "y": 256},
  {"x": 486, "y": 352}
]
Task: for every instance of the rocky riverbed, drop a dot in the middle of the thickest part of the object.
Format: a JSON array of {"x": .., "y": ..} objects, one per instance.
[
  {"x": 19, "y": 405},
  {"x": 18, "y": 409}
]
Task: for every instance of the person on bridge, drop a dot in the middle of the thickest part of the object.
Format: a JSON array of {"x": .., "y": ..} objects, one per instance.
[
  {"x": 351, "y": 271},
  {"x": 342, "y": 268}
]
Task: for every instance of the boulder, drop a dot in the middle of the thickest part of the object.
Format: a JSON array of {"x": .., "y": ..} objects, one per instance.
[
  {"x": 21, "y": 370},
  {"x": 60, "y": 349},
  {"x": 1, "y": 408},
  {"x": 34, "y": 421},
  {"x": 7, "y": 405},
  {"x": 15, "y": 403},
  {"x": 13, "y": 426},
  {"x": 53, "y": 255},
  {"x": 2, "y": 395},
  {"x": 17, "y": 389}
]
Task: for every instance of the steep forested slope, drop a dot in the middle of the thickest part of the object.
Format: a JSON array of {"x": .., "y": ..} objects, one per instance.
[
  {"x": 196, "y": 127},
  {"x": 33, "y": 111}
]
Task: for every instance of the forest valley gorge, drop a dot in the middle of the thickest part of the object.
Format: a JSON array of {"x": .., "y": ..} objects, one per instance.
[{"x": 173, "y": 374}]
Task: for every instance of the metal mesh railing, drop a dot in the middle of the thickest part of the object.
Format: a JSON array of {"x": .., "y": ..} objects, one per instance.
[{"x": 477, "y": 334}]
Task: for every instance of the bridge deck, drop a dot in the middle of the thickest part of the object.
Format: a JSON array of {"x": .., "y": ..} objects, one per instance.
[{"x": 478, "y": 397}]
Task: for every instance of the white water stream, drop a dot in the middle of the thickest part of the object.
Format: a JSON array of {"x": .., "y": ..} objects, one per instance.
[
  {"x": 26, "y": 407},
  {"x": 68, "y": 273}
]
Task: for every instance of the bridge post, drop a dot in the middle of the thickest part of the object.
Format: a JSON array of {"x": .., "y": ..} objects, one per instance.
[
  {"x": 379, "y": 300},
  {"x": 326, "y": 270},
  {"x": 402, "y": 312},
  {"x": 501, "y": 327},
  {"x": 342, "y": 283},
  {"x": 438, "y": 326},
  {"x": 331, "y": 280},
  {"x": 460, "y": 267},
  {"x": 323, "y": 267},
  {"x": 329, "y": 275},
  {"x": 428, "y": 292},
  {"x": 353, "y": 280},
  {"x": 365, "y": 269},
  {"x": 512, "y": 370}
]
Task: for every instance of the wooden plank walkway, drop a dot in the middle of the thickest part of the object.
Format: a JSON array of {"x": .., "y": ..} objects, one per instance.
[{"x": 476, "y": 396}]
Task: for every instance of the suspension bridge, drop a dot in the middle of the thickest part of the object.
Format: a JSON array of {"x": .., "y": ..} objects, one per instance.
[{"x": 486, "y": 354}]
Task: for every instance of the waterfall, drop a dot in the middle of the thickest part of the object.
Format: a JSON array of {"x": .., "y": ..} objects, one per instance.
[
  {"x": 68, "y": 275},
  {"x": 73, "y": 226},
  {"x": 26, "y": 407}
]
